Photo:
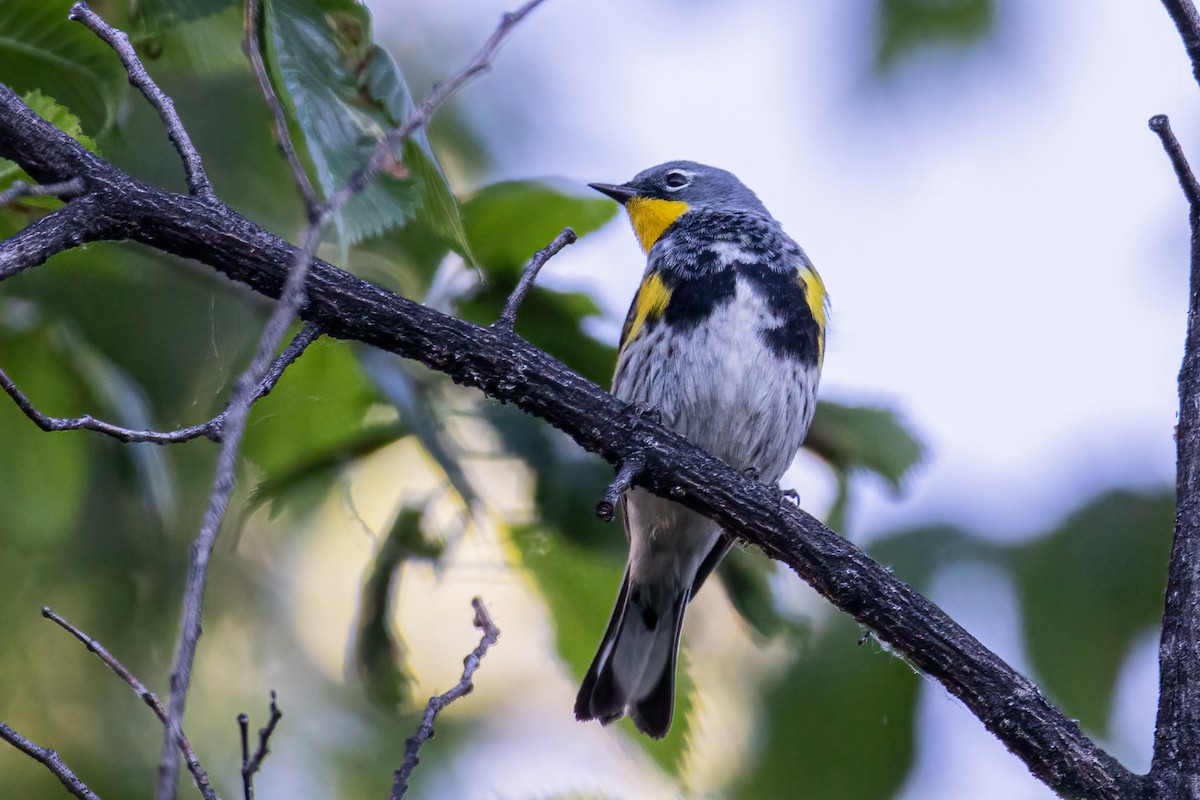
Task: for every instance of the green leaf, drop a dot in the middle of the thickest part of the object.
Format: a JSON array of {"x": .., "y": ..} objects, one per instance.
[
  {"x": 315, "y": 413},
  {"x": 508, "y": 222},
  {"x": 905, "y": 26},
  {"x": 379, "y": 653},
  {"x": 1088, "y": 590},
  {"x": 41, "y": 49},
  {"x": 117, "y": 397},
  {"x": 550, "y": 320},
  {"x": 854, "y": 438},
  {"x": 39, "y": 507},
  {"x": 343, "y": 93},
  {"x": 418, "y": 408},
  {"x": 838, "y": 724},
  {"x": 1088, "y": 587},
  {"x": 745, "y": 576}
]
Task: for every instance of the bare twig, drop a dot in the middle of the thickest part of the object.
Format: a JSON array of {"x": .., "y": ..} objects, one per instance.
[
  {"x": 291, "y": 300},
  {"x": 251, "y": 764},
  {"x": 224, "y": 481},
  {"x": 483, "y": 621},
  {"x": 1184, "y": 15},
  {"x": 63, "y": 189},
  {"x": 197, "y": 178},
  {"x": 211, "y": 429},
  {"x": 51, "y": 761},
  {"x": 1175, "y": 767},
  {"x": 508, "y": 317},
  {"x": 1187, "y": 180},
  {"x": 629, "y": 470},
  {"x": 148, "y": 697},
  {"x": 252, "y": 46}
]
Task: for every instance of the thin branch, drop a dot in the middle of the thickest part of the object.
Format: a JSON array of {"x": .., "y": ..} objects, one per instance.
[
  {"x": 1187, "y": 179},
  {"x": 252, "y": 46},
  {"x": 508, "y": 317},
  {"x": 59, "y": 230},
  {"x": 1175, "y": 767},
  {"x": 199, "y": 774},
  {"x": 197, "y": 179},
  {"x": 51, "y": 761},
  {"x": 483, "y": 621},
  {"x": 629, "y": 470},
  {"x": 1184, "y": 15},
  {"x": 64, "y": 190},
  {"x": 211, "y": 429},
  {"x": 251, "y": 764}
]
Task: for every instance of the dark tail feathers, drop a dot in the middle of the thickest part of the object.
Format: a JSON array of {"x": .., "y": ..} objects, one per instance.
[{"x": 634, "y": 669}]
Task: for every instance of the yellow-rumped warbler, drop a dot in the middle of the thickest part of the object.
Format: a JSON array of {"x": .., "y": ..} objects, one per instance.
[{"x": 725, "y": 339}]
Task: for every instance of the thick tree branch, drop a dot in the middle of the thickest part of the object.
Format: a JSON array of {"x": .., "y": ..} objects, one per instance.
[
  {"x": 511, "y": 370},
  {"x": 1175, "y": 769},
  {"x": 465, "y": 685},
  {"x": 148, "y": 697},
  {"x": 51, "y": 760}
]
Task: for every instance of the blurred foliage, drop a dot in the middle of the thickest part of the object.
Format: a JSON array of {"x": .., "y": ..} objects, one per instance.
[
  {"x": 100, "y": 531},
  {"x": 904, "y": 28}
]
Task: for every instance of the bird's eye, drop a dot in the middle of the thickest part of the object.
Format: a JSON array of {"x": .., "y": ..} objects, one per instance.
[{"x": 677, "y": 180}]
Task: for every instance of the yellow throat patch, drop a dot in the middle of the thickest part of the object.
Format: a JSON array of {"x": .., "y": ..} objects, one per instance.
[
  {"x": 650, "y": 217},
  {"x": 814, "y": 294}
]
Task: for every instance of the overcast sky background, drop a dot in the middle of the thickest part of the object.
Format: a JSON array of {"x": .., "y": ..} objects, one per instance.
[{"x": 1003, "y": 240}]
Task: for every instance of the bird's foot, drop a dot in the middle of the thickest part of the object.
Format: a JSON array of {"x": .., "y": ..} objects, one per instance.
[{"x": 646, "y": 411}]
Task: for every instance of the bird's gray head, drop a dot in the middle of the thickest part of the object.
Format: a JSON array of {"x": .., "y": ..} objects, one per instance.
[{"x": 658, "y": 196}]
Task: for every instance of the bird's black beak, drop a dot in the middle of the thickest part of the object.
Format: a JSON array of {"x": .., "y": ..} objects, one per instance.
[{"x": 621, "y": 194}]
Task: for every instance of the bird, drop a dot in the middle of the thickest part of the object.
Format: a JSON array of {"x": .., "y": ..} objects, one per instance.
[{"x": 724, "y": 342}]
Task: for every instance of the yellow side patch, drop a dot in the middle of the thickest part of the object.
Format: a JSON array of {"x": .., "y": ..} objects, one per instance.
[
  {"x": 650, "y": 217},
  {"x": 649, "y": 304},
  {"x": 814, "y": 294}
]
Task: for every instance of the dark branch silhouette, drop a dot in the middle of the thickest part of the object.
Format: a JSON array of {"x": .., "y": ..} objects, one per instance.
[
  {"x": 483, "y": 621},
  {"x": 251, "y": 764}
]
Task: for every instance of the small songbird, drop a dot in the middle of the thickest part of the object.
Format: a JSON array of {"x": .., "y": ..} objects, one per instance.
[{"x": 725, "y": 340}]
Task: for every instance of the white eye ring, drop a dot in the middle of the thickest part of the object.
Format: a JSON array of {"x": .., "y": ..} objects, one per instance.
[{"x": 676, "y": 180}]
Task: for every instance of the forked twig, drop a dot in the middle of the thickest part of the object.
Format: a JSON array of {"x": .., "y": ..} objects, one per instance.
[
  {"x": 251, "y": 764},
  {"x": 483, "y": 621}
]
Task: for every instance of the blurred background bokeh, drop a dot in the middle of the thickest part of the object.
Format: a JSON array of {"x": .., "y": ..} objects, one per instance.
[{"x": 1006, "y": 251}]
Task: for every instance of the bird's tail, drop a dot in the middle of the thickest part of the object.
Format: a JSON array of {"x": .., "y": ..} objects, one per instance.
[{"x": 634, "y": 670}]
